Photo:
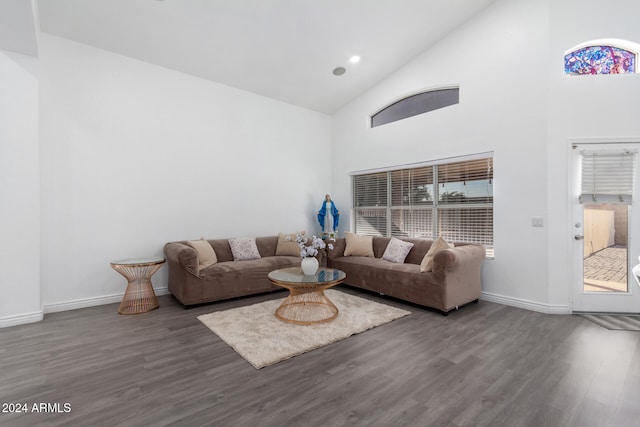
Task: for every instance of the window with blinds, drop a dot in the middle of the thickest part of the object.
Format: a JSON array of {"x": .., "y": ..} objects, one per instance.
[
  {"x": 452, "y": 200},
  {"x": 607, "y": 176},
  {"x": 411, "y": 202},
  {"x": 370, "y": 195}
]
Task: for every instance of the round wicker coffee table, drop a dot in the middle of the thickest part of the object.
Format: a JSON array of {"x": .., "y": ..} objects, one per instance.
[
  {"x": 139, "y": 296},
  {"x": 306, "y": 304}
]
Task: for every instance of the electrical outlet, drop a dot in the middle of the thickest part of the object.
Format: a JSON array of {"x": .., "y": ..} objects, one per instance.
[{"x": 537, "y": 221}]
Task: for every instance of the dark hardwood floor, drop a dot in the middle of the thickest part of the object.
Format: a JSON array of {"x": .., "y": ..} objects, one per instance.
[{"x": 485, "y": 365}]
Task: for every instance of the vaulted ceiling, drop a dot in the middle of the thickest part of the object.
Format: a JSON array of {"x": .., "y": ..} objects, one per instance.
[
  {"x": 282, "y": 49},
  {"x": 18, "y": 27}
]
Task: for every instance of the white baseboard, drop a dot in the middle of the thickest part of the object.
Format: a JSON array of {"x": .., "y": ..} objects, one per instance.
[
  {"x": 94, "y": 301},
  {"x": 21, "y": 319},
  {"x": 526, "y": 304}
]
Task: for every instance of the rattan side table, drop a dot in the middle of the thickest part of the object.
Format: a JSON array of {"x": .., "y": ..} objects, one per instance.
[{"x": 139, "y": 296}]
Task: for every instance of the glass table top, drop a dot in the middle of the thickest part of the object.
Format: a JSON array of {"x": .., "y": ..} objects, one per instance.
[
  {"x": 295, "y": 275},
  {"x": 138, "y": 261}
]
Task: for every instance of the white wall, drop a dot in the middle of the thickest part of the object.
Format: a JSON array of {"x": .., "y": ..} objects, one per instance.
[
  {"x": 134, "y": 156},
  {"x": 583, "y": 107},
  {"x": 499, "y": 60},
  {"x": 516, "y": 101},
  {"x": 19, "y": 191}
]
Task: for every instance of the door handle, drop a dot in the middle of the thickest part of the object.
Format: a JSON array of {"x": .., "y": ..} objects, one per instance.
[{"x": 578, "y": 237}]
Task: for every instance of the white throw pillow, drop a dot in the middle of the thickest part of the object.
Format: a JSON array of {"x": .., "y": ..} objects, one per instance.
[
  {"x": 397, "y": 250},
  {"x": 206, "y": 255},
  {"x": 244, "y": 249},
  {"x": 358, "y": 245},
  {"x": 437, "y": 246}
]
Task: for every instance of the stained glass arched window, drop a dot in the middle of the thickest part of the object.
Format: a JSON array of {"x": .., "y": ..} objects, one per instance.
[{"x": 600, "y": 59}]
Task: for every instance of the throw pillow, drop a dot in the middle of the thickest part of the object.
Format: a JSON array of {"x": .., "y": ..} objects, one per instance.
[
  {"x": 358, "y": 245},
  {"x": 397, "y": 250},
  {"x": 244, "y": 249},
  {"x": 437, "y": 246},
  {"x": 206, "y": 255},
  {"x": 288, "y": 247}
]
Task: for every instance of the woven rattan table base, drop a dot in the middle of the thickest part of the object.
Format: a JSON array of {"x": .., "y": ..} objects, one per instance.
[{"x": 307, "y": 307}]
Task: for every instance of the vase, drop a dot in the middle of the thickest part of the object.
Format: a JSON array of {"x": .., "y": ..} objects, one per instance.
[{"x": 309, "y": 266}]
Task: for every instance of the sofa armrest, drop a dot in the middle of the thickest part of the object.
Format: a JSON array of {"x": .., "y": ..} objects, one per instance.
[
  {"x": 182, "y": 255},
  {"x": 458, "y": 257},
  {"x": 460, "y": 270}
]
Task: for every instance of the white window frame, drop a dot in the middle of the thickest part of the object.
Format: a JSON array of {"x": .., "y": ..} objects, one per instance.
[{"x": 433, "y": 208}]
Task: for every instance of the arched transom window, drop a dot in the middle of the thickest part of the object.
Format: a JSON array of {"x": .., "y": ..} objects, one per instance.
[
  {"x": 605, "y": 56},
  {"x": 419, "y": 103}
]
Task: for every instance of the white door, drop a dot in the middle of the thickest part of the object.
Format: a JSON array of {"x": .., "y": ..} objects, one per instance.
[{"x": 603, "y": 227}]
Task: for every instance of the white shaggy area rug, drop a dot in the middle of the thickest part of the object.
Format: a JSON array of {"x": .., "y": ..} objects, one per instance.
[{"x": 257, "y": 335}]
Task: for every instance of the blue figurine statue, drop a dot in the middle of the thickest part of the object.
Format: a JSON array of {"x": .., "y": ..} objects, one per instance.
[{"x": 328, "y": 217}]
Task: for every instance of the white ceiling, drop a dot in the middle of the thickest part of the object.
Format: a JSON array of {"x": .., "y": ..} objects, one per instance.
[
  {"x": 282, "y": 49},
  {"x": 18, "y": 27}
]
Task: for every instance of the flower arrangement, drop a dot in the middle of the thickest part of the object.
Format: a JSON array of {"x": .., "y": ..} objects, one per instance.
[{"x": 310, "y": 250}]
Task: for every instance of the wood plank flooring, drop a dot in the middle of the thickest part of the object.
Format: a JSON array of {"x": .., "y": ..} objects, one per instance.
[{"x": 485, "y": 365}]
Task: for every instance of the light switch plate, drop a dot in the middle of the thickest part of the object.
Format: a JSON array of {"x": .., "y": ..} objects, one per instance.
[{"x": 537, "y": 221}]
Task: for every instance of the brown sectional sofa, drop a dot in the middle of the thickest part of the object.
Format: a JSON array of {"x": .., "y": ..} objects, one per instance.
[
  {"x": 454, "y": 281},
  {"x": 225, "y": 279}
]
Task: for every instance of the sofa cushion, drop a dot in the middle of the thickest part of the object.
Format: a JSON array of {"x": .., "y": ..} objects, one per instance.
[
  {"x": 397, "y": 250},
  {"x": 244, "y": 249},
  {"x": 358, "y": 245},
  {"x": 404, "y": 281},
  {"x": 206, "y": 254},
  {"x": 437, "y": 246},
  {"x": 288, "y": 247},
  {"x": 267, "y": 245},
  {"x": 255, "y": 268}
]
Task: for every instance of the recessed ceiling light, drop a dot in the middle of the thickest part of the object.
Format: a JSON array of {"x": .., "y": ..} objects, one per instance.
[
  {"x": 338, "y": 71},
  {"x": 354, "y": 59}
]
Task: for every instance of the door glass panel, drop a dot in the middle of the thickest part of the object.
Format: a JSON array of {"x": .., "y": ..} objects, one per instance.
[{"x": 605, "y": 247}]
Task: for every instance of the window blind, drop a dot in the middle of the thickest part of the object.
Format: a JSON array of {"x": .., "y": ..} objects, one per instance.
[
  {"x": 371, "y": 222},
  {"x": 370, "y": 196},
  {"x": 406, "y": 222},
  {"x": 453, "y": 200},
  {"x": 467, "y": 224},
  {"x": 411, "y": 187},
  {"x": 370, "y": 190},
  {"x": 607, "y": 176},
  {"x": 468, "y": 182}
]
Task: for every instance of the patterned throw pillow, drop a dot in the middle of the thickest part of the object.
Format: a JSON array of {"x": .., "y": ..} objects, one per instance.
[
  {"x": 244, "y": 249},
  {"x": 397, "y": 250}
]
